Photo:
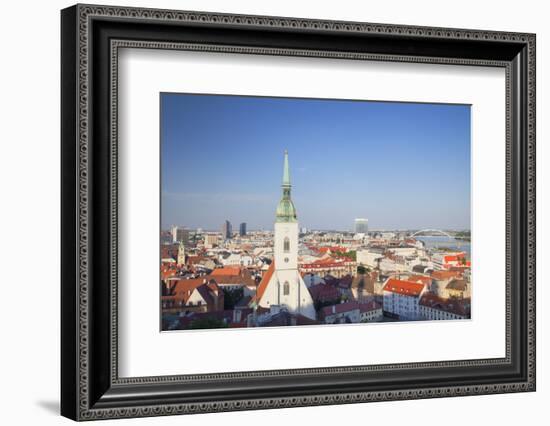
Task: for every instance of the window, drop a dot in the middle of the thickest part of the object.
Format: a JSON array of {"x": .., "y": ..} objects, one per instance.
[
  {"x": 286, "y": 288},
  {"x": 286, "y": 245}
]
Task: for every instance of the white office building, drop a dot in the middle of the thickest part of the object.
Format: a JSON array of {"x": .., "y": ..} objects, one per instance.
[{"x": 361, "y": 226}]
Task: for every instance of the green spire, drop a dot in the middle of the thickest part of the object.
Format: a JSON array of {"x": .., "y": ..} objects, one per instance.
[
  {"x": 286, "y": 212},
  {"x": 286, "y": 172}
]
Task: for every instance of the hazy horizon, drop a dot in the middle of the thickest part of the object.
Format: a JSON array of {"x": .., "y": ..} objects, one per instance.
[
  {"x": 248, "y": 229},
  {"x": 401, "y": 165}
]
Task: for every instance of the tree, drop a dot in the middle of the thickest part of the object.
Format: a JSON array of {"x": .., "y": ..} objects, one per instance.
[
  {"x": 352, "y": 254},
  {"x": 207, "y": 323},
  {"x": 321, "y": 304},
  {"x": 232, "y": 297}
]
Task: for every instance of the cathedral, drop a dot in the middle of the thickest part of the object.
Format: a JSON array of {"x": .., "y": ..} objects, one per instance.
[{"x": 282, "y": 285}]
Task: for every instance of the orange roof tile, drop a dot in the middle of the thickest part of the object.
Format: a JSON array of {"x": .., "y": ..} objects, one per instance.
[
  {"x": 265, "y": 281},
  {"x": 228, "y": 277},
  {"x": 445, "y": 275},
  {"x": 454, "y": 257},
  {"x": 405, "y": 288},
  {"x": 324, "y": 265},
  {"x": 420, "y": 278},
  {"x": 332, "y": 249},
  {"x": 226, "y": 271},
  {"x": 182, "y": 289}
]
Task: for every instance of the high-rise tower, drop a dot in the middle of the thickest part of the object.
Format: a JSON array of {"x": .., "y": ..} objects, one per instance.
[
  {"x": 227, "y": 230},
  {"x": 361, "y": 226},
  {"x": 242, "y": 229}
]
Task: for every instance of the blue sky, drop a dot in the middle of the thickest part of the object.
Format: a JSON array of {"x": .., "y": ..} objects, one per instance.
[{"x": 401, "y": 165}]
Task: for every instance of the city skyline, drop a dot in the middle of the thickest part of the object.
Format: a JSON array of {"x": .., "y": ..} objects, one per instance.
[
  {"x": 221, "y": 160},
  {"x": 347, "y": 230}
]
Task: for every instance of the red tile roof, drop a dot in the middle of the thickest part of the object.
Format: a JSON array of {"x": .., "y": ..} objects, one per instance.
[
  {"x": 182, "y": 289},
  {"x": 226, "y": 271},
  {"x": 192, "y": 260},
  {"x": 326, "y": 249},
  {"x": 323, "y": 292},
  {"x": 405, "y": 288},
  {"x": 227, "y": 276},
  {"x": 168, "y": 270},
  {"x": 340, "y": 308},
  {"x": 460, "y": 267},
  {"x": 350, "y": 306},
  {"x": 420, "y": 278},
  {"x": 242, "y": 280},
  {"x": 329, "y": 262},
  {"x": 265, "y": 281},
  {"x": 456, "y": 306},
  {"x": 169, "y": 252},
  {"x": 370, "y": 306},
  {"x": 445, "y": 275},
  {"x": 168, "y": 274},
  {"x": 454, "y": 257}
]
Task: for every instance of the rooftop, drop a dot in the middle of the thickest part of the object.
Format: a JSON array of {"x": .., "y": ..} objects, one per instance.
[
  {"x": 457, "y": 284},
  {"x": 226, "y": 271},
  {"x": 405, "y": 288},
  {"x": 445, "y": 275},
  {"x": 455, "y": 306}
]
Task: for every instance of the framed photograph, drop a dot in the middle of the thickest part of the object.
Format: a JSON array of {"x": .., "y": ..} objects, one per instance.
[{"x": 263, "y": 212}]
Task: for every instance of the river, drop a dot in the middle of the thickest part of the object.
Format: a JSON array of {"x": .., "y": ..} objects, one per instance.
[{"x": 446, "y": 242}]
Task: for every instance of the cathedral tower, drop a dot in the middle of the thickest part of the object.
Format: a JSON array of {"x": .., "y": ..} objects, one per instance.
[
  {"x": 285, "y": 248},
  {"x": 282, "y": 285}
]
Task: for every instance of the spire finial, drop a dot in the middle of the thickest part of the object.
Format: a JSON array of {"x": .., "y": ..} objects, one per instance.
[
  {"x": 286, "y": 212},
  {"x": 286, "y": 171}
]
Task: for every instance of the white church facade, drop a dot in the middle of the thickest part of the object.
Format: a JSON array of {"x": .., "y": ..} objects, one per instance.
[{"x": 282, "y": 285}]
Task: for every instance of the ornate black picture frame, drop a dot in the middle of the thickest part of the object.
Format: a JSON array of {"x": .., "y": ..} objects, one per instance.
[{"x": 90, "y": 38}]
